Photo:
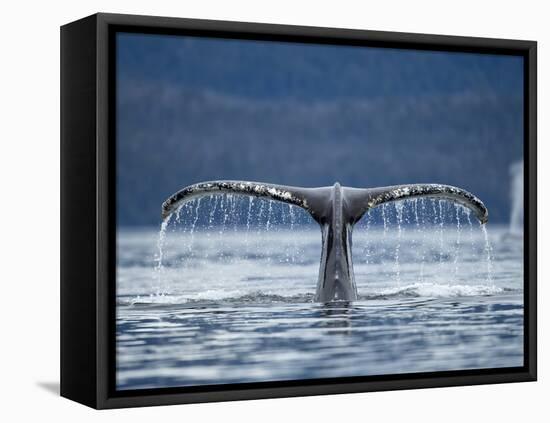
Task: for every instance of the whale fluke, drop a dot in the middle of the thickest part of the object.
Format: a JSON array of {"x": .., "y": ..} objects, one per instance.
[
  {"x": 292, "y": 195},
  {"x": 363, "y": 199},
  {"x": 336, "y": 209}
]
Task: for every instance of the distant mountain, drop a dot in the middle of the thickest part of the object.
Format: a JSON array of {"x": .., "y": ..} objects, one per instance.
[
  {"x": 278, "y": 70},
  {"x": 170, "y": 138},
  {"x": 190, "y": 110}
]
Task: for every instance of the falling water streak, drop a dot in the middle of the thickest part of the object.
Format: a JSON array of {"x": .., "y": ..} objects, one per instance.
[
  {"x": 178, "y": 211},
  {"x": 441, "y": 225},
  {"x": 457, "y": 243},
  {"x": 221, "y": 230},
  {"x": 193, "y": 226},
  {"x": 468, "y": 212},
  {"x": 384, "y": 220},
  {"x": 267, "y": 227},
  {"x": 224, "y": 204},
  {"x": 239, "y": 212},
  {"x": 248, "y": 216},
  {"x": 260, "y": 217},
  {"x": 234, "y": 216},
  {"x": 472, "y": 245},
  {"x": 399, "y": 216},
  {"x": 213, "y": 205},
  {"x": 286, "y": 245},
  {"x": 177, "y": 215},
  {"x": 230, "y": 222},
  {"x": 250, "y": 201},
  {"x": 405, "y": 212},
  {"x": 161, "y": 240},
  {"x": 185, "y": 217},
  {"x": 159, "y": 269},
  {"x": 406, "y": 215},
  {"x": 423, "y": 223},
  {"x": 261, "y": 212},
  {"x": 259, "y": 225},
  {"x": 435, "y": 219},
  {"x": 434, "y": 210},
  {"x": 415, "y": 209},
  {"x": 181, "y": 216},
  {"x": 292, "y": 222},
  {"x": 213, "y": 208},
  {"x": 367, "y": 250},
  {"x": 195, "y": 216},
  {"x": 230, "y": 212},
  {"x": 228, "y": 218},
  {"x": 418, "y": 230},
  {"x": 489, "y": 254},
  {"x": 269, "y": 212},
  {"x": 235, "y": 211}
]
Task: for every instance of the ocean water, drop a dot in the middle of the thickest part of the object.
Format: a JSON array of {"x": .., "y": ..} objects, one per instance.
[{"x": 225, "y": 295}]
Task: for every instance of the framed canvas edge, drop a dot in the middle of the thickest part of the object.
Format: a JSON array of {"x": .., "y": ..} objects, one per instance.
[
  {"x": 224, "y": 394},
  {"x": 106, "y": 229},
  {"x": 78, "y": 230},
  {"x": 530, "y": 201}
]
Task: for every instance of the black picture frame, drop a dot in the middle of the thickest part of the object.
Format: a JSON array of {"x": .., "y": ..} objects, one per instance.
[{"x": 88, "y": 211}]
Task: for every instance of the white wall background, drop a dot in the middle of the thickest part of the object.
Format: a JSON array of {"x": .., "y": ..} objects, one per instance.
[{"x": 29, "y": 145}]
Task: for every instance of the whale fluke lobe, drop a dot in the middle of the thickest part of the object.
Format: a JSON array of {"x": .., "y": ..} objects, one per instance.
[
  {"x": 292, "y": 195},
  {"x": 336, "y": 209},
  {"x": 364, "y": 199}
]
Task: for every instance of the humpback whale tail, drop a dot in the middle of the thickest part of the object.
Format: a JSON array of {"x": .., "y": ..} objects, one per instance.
[{"x": 336, "y": 209}]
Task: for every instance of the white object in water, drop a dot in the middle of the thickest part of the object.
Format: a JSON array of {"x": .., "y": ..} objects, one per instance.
[{"x": 516, "y": 200}]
